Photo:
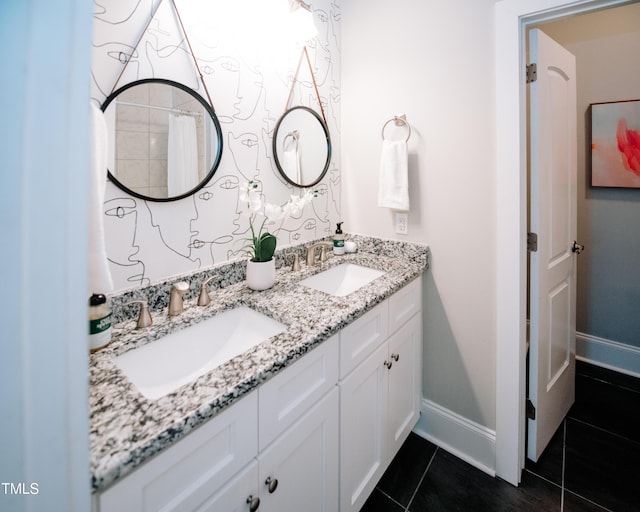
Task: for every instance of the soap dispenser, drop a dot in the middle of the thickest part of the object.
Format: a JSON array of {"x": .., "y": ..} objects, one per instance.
[
  {"x": 99, "y": 322},
  {"x": 338, "y": 240}
]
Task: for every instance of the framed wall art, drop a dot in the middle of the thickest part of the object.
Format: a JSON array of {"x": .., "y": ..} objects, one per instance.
[{"x": 615, "y": 144}]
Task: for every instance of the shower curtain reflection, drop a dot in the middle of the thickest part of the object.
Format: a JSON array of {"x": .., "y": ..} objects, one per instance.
[{"x": 182, "y": 155}]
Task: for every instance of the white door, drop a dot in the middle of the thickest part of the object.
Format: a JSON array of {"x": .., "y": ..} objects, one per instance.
[{"x": 553, "y": 217}]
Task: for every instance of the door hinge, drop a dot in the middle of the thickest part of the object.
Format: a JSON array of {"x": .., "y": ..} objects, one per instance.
[
  {"x": 531, "y": 410},
  {"x": 532, "y": 73},
  {"x": 532, "y": 242}
]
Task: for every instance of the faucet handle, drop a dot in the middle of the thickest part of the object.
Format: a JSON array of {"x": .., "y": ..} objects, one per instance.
[
  {"x": 144, "y": 318},
  {"x": 295, "y": 266},
  {"x": 311, "y": 255},
  {"x": 175, "y": 297},
  {"x": 323, "y": 253},
  {"x": 204, "y": 297}
]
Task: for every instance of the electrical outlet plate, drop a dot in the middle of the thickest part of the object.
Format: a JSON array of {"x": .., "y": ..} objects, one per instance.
[{"x": 402, "y": 223}]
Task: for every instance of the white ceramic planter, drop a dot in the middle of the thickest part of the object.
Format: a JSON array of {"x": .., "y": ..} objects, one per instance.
[{"x": 261, "y": 275}]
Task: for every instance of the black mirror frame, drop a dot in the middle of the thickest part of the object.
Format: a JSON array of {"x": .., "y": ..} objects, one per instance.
[
  {"x": 275, "y": 148},
  {"x": 214, "y": 118}
]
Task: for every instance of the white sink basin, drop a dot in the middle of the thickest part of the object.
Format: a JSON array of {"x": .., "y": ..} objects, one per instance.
[
  {"x": 342, "y": 279},
  {"x": 164, "y": 365}
]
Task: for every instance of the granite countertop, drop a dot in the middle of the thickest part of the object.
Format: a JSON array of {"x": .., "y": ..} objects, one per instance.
[{"x": 127, "y": 429}]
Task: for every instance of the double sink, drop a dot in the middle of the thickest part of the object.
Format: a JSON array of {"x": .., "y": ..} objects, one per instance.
[{"x": 159, "y": 368}]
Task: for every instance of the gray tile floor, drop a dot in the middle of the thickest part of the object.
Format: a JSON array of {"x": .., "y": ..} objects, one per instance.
[{"x": 591, "y": 463}]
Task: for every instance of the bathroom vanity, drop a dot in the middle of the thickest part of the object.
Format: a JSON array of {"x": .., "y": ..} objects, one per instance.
[{"x": 307, "y": 420}]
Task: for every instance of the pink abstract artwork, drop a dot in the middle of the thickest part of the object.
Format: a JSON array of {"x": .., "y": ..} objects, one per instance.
[{"x": 615, "y": 144}]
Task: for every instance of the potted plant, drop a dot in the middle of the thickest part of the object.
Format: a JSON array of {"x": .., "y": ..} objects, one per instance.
[{"x": 262, "y": 244}]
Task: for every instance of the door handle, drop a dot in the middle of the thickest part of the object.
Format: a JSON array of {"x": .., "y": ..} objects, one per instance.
[{"x": 576, "y": 247}]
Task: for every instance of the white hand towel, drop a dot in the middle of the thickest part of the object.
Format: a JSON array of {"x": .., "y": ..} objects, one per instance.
[
  {"x": 291, "y": 157},
  {"x": 99, "y": 273},
  {"x": 393, "y": 183}
]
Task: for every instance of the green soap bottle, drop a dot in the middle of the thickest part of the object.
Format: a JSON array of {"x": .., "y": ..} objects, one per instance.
[{"x": 338, "y": 240}]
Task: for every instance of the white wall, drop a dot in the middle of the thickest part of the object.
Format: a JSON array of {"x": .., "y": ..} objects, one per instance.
[{"x": 432, "y": 61}]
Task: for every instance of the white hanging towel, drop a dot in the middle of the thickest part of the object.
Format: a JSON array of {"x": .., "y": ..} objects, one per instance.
[
  {"x": 99, "y": 273},
  {"x": 393, "y": 182},
  {"x": 291, "y": 156}
]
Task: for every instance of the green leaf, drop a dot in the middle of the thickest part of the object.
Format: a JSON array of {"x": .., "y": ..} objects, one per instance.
[{"x": 265, "y": 246}]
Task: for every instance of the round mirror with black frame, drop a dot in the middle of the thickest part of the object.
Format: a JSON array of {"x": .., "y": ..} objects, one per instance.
[
  {"x": 301, "y": 147},
  {"x": 165, "y": 140}
]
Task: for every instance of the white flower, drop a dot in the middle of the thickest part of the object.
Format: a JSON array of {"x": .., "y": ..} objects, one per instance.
[
  {"x": 294, "y": 207},
  {"x": 252, "y": 204},
  {"x": 250, "y": 197},
  {"x": 308, "y": 197},
  {"x": 273, "y": 212},
  {"x": 296, "y": 204}
]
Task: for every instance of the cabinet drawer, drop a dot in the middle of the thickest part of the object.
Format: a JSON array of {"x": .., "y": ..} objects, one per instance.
[
  {"x": 360, "y": 339},
  {"x": 182, "y": 477},
  {"x": 404, "y": 304},
  {"x": 285, "y": 397}
]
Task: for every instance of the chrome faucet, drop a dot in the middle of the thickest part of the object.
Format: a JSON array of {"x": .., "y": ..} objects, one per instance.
[
  {"x": 175, "y": 297},
  {"x": 311, "y": 252}
]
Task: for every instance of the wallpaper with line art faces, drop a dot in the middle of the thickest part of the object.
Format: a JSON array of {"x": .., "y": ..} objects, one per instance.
[{"x": 248, "y": 57}]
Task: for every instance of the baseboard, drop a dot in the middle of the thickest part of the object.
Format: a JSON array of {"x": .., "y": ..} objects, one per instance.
[
  {"x": 608, "y": 354},
  {"x": 461, "y": 437}
]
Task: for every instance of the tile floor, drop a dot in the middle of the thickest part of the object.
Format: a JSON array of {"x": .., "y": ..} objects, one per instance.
[{"x": 592, "y": 463}]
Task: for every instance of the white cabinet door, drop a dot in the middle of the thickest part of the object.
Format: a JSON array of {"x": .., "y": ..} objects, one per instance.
[
  {"x": 186, "y": 474},
  {"x": 363, "y": 413},
  {"x": 405, "y": 382},
  {"x": 239, "y": 495},
  {"x": 299, "y": 470}
]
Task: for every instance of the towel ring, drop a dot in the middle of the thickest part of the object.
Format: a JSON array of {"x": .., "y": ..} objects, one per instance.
[
  {"x": 398, "y": 121},
  {"x": 295, "y": 135}
]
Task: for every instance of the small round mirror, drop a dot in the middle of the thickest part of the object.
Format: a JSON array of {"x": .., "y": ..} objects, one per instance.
[
  {"x": 302, "y": 147},
  {"x": 165, "y": 140}
]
